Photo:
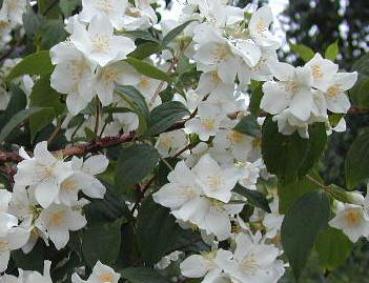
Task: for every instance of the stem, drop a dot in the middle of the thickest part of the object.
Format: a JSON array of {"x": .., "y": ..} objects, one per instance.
[
  {"x": 56, "y": 131},
  {"x": 98, "y": 116}
]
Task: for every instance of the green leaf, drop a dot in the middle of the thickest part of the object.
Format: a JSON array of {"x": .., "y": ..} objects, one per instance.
[
  {"x": 102, "y": 242},
  {"x": 52, "y": 32},
  {"x": 360, "y": 92},
  {"x": 332, "y": 51},
  {"x": 299, "y": 154},
  {"x": 333, "y": 248},
  {"x": 175, "y": 32},
  {"x": 256, "y": 96},
  {"x": 140, "y": 34},
  {"x": 300, "y": 228},
  {"x": 291, "y": 192},
  {"x": 303, "y": 51},
  {"x": 34, "y": 64},
  {"x": 166, "y": 115},
  {"x": 137, "y": 103},
  {"x": 68, "y": 6},
  {"x": 43, "y": 95},
  {"x": 148, "y": 70},
  {"x": 156, "y": 225},
  {"x": 255, "y": 198},
  {"x": 357, "y": 160},
  {"x": 249, "y": 126},
  {"x": 143, "y": 275},
  {"x": 135, "y": 162},
  {"x": 16, "y": 120},
  {"x": 146, "y": 49}
]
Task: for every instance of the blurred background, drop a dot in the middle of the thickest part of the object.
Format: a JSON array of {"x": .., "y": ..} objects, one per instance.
[{"x": 317, "y": 24}]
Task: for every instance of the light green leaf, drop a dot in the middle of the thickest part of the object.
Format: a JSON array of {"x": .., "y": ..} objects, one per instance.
[
  {"x": 16, "y": 120},
  {"x": 300, "y": 228},
  {"x": 148, "y": 70},
  {"x": 303, "y": 51},
  {"x": 143, "y": 275},
  {"x": 332, "y": 51},
  {"x": 166, "y": 115},
  {"x": 34, "y": 64},
  {"x": 171, "y": 35}
]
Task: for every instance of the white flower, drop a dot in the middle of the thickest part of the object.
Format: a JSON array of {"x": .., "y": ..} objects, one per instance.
[
  {"x": 337, "y": 99},
  {"x": 211, "y": 83},
  {"x": 44, "y": 173},
  {"x": 210, "y": 266},
  {"x": 255, "y": 262},
  {"x": 216, "y": 182},
  {"x": 14, "y": 239},
  {"x": 141, "y": 16},
  {"x": 99, "y": 43},
  {"x": 100, "y": 274},
  {"x": 322, "y": 70},
  {"x": 273, "y": 221},
  {"x": 13, "y": 11},
  {"x": 170, "y": 143},
  {"x": 73, "y": 75},
  {"x": 34, "y": 276},
  {"x": 250, "y": 173},
  {"x": 352, "y": 219},
  {"x": 83, "y": 180},
  {"x": 292, "y": 91},
  {"x": 56, "y": 221},
  {"x": 207, "y": 124},
  {"x": 110, "y": 75},
  {"x": 110, "y": 9},
  {"x": 259, "y": 28}
]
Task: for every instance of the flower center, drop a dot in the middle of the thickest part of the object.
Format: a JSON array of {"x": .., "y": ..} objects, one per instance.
[
  {"x": 235, "y": 137},
  {"x": 292, "y": 87},
  {"x": 69, "y": 185},
  {"x": 334, "y": 90},
  {"x": 104, "y": 5},
  {"x": 221, "y": 52},
  {"x": 249, "y": 264},
  {"x": 144, "y": 83},
  {"x": 4, "y": 245},
  {"x": 208, "y": 124},
  {"x": 317, "y": 72},
  {"x": 261, "y": 26},
  {"x": 57, "y": 218},
  {"x": 106, "y": 277},
  {"x": 352, "y": 217},
  {"x": 109, "y": 75},
  {"x": 214, "y": 182},
  {"x": 100, "y": 43}
]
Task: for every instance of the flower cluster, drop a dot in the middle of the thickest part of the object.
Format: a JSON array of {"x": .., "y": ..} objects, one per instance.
[
  {"x": 45, "y": 202},
  {"x": 11, "y": 14}
]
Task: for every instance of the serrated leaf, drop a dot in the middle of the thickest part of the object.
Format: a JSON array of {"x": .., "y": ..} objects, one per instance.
[
  {"x": 255, "y": 198},
  {"x": 303, "y": 51},
  {"x": 16, "y": 120},
  {"x": 34, "y": 64},
  {"x": 166, "y": 115},
  {"x": 175, "y": 32},
  {"x": 333, "y": 248},
  {"x": 357, "y": 160},
  {"x": 148, "y": 70},
  {"x": 143, "y": 275},
  {"x": 301, "y": 226},
  {"x": 135, "y": 162},
  {"x": 332, "y": 51},
  {"x": 102, "y": 242},
  {"x": 156, "y": 225}
]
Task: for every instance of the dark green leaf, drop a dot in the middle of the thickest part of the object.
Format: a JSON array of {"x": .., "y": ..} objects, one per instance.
[
  {"x": 249, "y": 126},
  {"x": 143, "y": 275},
  {"x": 166, "y": 115},
  {"x": 102, "y": 242},
  {"x": 135, "y": 162},
  {"x": 300, "y": 228},
  {"x": 148, "y": 70},
  {"x": 16, "y": 120},
  {"x": 146, "y": 49},
  {"x": 68, "y": 6},
  {"x": 255, "y": 198},
  {"x": 156, "y": 225},
  {"x": 333, "y": 248},
  {"x": 140, "y": 34},
  {"x": 34, "y": 64},
  {"x": 357, "y": 162}
]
